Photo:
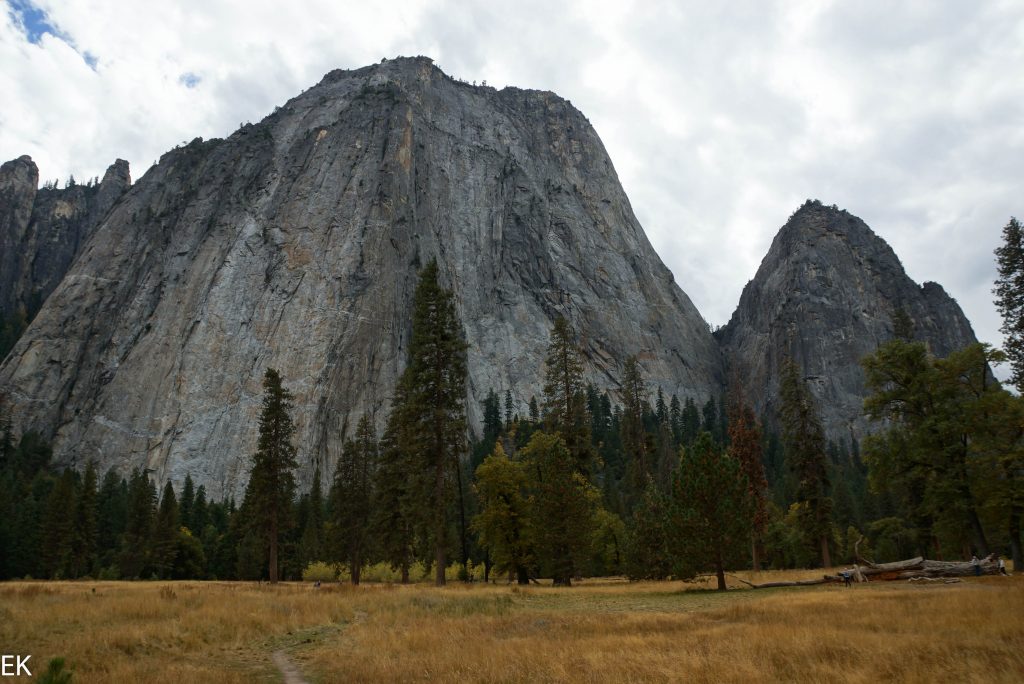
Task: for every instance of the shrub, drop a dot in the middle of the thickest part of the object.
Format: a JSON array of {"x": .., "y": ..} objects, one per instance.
[
  {"x": 55, "y": 673},
  {"x": 320, "y": 571}
]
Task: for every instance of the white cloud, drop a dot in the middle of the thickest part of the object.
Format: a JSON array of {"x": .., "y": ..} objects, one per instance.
[{"x": 720, "y": 118}]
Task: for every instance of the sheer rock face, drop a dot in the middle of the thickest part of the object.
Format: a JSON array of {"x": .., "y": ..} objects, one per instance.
[
  {"x": 43, "y": 230},
  {"x": 19, "y": 180},
  {"x": 295, "y": 244},
  {"x": 825, "y": 295}
]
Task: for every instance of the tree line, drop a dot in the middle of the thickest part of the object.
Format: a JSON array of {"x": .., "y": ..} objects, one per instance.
[{"x": 573, "y": 484}]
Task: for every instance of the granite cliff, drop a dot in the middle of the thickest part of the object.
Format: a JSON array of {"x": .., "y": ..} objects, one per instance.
[
  {"x": 43, "y": 230},
  {"x": 295, "y": 243},
  {"x": 825, "y": 295}
]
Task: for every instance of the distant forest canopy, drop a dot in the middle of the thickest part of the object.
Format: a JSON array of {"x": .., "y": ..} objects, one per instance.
[{"x": 654, "y": 487}]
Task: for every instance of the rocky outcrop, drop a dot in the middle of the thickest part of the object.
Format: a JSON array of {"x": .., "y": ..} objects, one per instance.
[
  {"x": 19, "y": 180},
  {"x": 295, "y": 243},
  {"x": 825, "y": 295},
  {"x": 43, "y": 230}
]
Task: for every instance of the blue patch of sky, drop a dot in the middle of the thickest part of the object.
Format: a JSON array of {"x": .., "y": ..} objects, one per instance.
[
  {"x": 32, "y": 20},
  {"x": 189, "y": 80},
  {"x": 35, "y": 24}
]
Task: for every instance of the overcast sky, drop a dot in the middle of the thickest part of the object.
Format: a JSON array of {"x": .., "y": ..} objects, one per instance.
[{"x": 719, "y": 121}]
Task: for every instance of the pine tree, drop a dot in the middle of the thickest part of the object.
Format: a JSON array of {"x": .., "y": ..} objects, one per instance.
[
  {"x": 509, "y": 409},
  {"x": 84, "y": 536},
  {"x": 165, "y": 533},
  {"x": 675, "y": 412},
  {"x": 709, "y": 421},
  {"x": 804, "y": 441},
  {"x": 136, "y": 545},
  {"x": 311, "y": 543},
  {"x": 636, "y": 447},
  {"x": 1009, "y": 292},
  {"x": 953, "y": 435},
  {"x": 534, "y": 411},
  {"x": 430, "y": 412},
  {"x": 666, "y": 456},
  {"x": 200, "y": 511},
  {"x": 660, "y": 407},
  {"x": 709, "y": 514},
  {"x": 393, "y": 509},
  {"x": 111, "y": 517},
  {"x": 267, "y": 506},
  {"x": 492, "y": 421},
  {"x": 648, "y": 555},
  {"x": 351, "y": 498},
  {"x": 745, "y": 445},
  {"x": 565, "y": 408},
  {"x": 690, "y": 422},
  {"x": 57, "y": 526},
  {"x": 902, "y": 325},
  {"x": 562, "y": 507},
  {"x": 186, "y": 503}
]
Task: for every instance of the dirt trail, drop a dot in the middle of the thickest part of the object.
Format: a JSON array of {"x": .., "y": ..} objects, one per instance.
[{"x": 288, "y": 670}]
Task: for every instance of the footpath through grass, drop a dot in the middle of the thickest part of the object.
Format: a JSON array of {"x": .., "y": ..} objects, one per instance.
[{"x": 602, "y": 630}]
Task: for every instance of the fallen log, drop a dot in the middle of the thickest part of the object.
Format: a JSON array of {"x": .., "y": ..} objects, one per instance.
[
  {"x": 913, "y": 569},
  {"x": 791, "y": 583},
  {"x": 920, "y": 567},
  {"x": 797, "y": 583}
]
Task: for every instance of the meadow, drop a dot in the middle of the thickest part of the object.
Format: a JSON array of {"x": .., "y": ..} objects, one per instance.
[{"x": 601, "y": 630}]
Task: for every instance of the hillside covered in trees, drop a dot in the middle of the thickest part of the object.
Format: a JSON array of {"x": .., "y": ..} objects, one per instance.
[{"x": 570, "y": 485}]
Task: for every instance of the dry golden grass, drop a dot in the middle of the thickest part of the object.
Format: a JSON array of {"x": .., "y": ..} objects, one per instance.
[{"x": 598, "y": 631}]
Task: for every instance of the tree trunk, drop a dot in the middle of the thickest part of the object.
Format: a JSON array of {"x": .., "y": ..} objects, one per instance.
[
  {"x": 440, "y": 561},
  {"x": 273, "y": 550},
  {"x": 522, "y": 576},
  {"x": 826, "y": 559},
  {"x": 754, "y": 555},
  {"x": 1014, "y": 529},
  {"x": 440, "y": 555},
  {"x": 487, "y": 566},
  {"x": 720, "y": 572},
  {"x": 355, "y": 569},
  {"x": 462, "y": 526},
  {"x": 919, "y": 567},
  {"x": 405, "y": 573}
]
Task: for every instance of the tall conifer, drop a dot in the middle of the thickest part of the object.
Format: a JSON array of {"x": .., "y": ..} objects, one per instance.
[
  {"x": 393, "y": 512},
  {"x": 1009, "y": 292},
  {"x": 429, "y": 413},
  {"x": 804, "y": 441},
  {"x": 166, "y": 527},
  {"x": 311, "y": 542},
  {"x": 709, "y": 512},
  {"x": 565, "y": 400},
  {"x": 135, "y": 549},
  {"x": 84, "y": 535},
  {"x": 636, "y": 445},
  {"x": 745, "y": 445},
  {"x": 352, "y": 496},
  {"x": 269, "y": 495}
]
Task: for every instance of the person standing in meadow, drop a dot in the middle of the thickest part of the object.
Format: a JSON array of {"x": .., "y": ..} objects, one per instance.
[{"x": 977, "y": 566}]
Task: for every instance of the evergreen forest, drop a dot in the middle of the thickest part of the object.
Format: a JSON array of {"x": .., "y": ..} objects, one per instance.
[{"x": 573, "y": 484}]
